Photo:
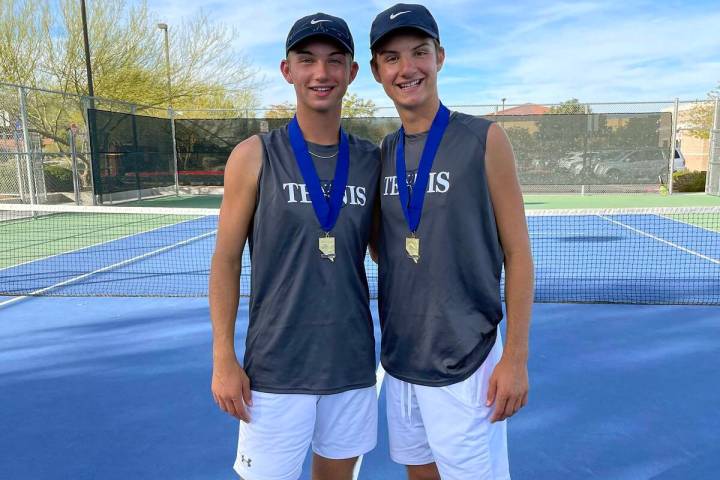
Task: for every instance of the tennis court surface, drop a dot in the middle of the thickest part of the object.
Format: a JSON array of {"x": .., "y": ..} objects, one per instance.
[
  {"x": 98, "y": 385},
  {"x": 651, "y": 256}
]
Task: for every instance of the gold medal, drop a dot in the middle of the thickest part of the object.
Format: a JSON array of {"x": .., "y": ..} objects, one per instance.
[
  {"x": 412, "y": 246},
  {"x": 327, "y": 247}
]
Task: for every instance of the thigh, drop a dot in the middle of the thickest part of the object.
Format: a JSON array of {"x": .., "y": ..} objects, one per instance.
[
  {"x": 274, "y": 444},
  {"x": 423, "y": 472},
  {"x": 332, "y": 469},
  {"x": 346, "y": 424},
  {"x": 406, "y": 430},
  {"x": 463, "y": 441}
]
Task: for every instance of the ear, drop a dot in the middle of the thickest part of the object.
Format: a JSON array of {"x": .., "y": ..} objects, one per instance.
[
  {"x": 440, "y": 58},
  {"x": 353, "y": 71},
  {"x": 285, "y": 70},
  {"x": 373, "y": 67}
]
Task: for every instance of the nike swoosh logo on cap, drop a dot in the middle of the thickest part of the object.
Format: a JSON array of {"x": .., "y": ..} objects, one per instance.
[
  {"x": 315, "y": 22},
  {"x": 393, "y": 16}
]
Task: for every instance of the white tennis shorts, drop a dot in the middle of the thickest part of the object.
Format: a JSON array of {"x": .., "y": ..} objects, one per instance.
[
  {"x": 282, "y": 426},
  {"x": 449, "y": 426}
]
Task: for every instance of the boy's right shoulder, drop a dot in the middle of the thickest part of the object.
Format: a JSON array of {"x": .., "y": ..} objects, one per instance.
[
  {"x": 245, "y": 158},
  {"x": 248, "y": 147}
]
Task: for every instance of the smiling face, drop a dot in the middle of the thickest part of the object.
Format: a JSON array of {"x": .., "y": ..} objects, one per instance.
[
  {"x": 407, "y": 64},
  {"x": 320, "y": 71}
]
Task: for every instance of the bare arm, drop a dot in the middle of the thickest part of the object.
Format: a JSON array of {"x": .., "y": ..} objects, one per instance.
[
  {"x": 509, "y": 385},
  {"x": 230, "y": 384},
  {"x": 375, "y": 230}
]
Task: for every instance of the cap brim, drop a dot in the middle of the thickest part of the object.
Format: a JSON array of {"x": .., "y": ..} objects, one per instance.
[
  {"x": 320, "y": 34},
  {"x": 430, "y": 33}
]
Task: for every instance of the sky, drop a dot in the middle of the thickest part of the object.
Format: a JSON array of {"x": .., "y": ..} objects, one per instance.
[{"x": 524, "y": 51}]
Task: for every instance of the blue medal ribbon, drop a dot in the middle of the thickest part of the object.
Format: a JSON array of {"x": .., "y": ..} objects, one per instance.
[
  {"x": 326, "y": 209},
  {"x": 412, "y": 205}
]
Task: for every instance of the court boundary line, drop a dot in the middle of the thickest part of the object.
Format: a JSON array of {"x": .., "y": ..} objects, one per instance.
[
  {"x": 99, "y": 243},
  {"x": 109, "y": 267},
  {"x": 716, "y": 232},
  {"x": 661, "y": 240},
  {"x": 379, "y": 376}
]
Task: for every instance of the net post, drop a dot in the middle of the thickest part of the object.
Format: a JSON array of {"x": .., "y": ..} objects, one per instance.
[
  {"x": 671, "y": 166},
  {"x": 22, "y": 93},
  {"x": 171, "y": 114}
]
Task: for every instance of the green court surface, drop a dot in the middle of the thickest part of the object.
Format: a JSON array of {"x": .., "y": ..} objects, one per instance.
[
  {"x": 49, "y": 235},
  {"x": 532, "y": 201},
  {"x": 651, "y": 200},
  {"x": 182, "y": 201}
]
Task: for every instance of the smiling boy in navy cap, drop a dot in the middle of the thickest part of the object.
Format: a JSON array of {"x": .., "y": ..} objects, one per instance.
[
  {"x": 302, "y": 196},
  {"x": 451, "y": 217}
]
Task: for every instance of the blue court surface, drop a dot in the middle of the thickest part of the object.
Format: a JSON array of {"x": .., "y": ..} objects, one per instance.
[
  {"x": 651, "y": 257},
  {"x": 112, "y": 388}
]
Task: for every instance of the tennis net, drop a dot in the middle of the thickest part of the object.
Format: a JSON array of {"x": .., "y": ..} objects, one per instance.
[{"x": 651, "y": 256}]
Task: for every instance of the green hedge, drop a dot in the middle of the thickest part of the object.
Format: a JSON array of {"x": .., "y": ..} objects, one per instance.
[
  {"x": 689, "y": 181},
  {"x": 58, "y": 179}
]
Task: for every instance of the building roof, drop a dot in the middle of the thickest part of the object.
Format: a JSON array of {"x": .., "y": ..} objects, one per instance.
[{"x": 524, "y": 109}]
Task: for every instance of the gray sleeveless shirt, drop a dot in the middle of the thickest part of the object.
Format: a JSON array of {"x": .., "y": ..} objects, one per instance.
[
  {"x": 310, "y": 327},
  {"x": 439, "y": 317}
]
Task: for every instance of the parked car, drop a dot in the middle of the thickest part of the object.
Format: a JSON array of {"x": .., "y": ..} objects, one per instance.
[{"x": 631, "y": 166}]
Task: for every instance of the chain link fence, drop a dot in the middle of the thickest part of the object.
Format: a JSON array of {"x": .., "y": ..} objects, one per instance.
[{"x": 46, "y": 154}]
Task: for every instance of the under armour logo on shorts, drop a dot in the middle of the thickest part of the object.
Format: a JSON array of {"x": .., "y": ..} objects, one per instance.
[{"x": 246, "y": 461}]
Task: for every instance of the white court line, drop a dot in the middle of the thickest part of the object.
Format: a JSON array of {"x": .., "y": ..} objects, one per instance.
[
  {"x": 677, "y": 220},
  {"x": 109, "y": 267},
  {"x": 379, "y": 375},
  {"x": 661, "y": 240}
]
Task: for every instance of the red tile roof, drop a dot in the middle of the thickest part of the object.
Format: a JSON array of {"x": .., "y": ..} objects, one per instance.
[{"x": 525, "y": 109}]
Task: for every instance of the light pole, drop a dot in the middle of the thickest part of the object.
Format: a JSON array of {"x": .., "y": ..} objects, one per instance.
[
  {"x": 171, "y": 114},
  {"x": 164, "y": 28},
  {"x": 503, "y": 104},
  {"x": 86, "y": 44}
]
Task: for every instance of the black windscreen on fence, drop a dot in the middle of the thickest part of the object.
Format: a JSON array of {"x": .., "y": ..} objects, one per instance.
[
  {"x": 203, "y": 146},
  {"x": 130, "y": 152},
  {"x": 133, "y": 152}
]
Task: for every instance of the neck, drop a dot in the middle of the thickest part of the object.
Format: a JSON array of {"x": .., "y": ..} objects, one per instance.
[
  {"x": 319, "y": 127},
  {"x": 418, "y": 120}
]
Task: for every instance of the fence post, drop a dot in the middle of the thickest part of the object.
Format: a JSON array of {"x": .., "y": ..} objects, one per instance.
[
  {"x": 72, "y": 131},
  {"x": 26, "y": 139},
  {"x": 671, "y": 166},
  {"x": 171, "y": 114},
  {"x": 87, "y": 104},
  {"x": 713, "y": 172},
  {"x": 18, "y": 163},
  {"x": 586, "y": 145},
  {"x": 133, "y": 112}
]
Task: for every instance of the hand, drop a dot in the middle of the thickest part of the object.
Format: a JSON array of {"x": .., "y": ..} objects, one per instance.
[
  {"x": 508, "y": 388},
  {"x": 231, "y": 388}
]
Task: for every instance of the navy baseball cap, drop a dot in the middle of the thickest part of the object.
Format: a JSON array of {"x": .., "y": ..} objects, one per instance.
[
  {"x": 403, "y": 15},
  {"x": 320, "y": 24}
]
